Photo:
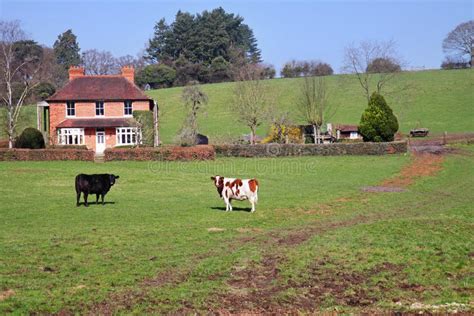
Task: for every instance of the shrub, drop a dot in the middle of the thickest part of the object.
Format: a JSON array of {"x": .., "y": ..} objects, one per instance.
[
  {"x": 279, "y": 136},
  {"x": 378, "y": 123},
  {"x": 157, "y": 76},
  {"x": 383, "y": 65},
  {"x": 166, "y": 153},
  {"x": 44, "y": 90},
  {"x": 145, "y": 121},
  {"x": 30, "y": 138}
]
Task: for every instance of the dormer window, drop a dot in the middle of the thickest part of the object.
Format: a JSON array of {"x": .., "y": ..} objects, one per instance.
[
  {"x": 99, "y": 108},
  {"x": 128, "y": 108},
  {"x": 70, "y": 108}
]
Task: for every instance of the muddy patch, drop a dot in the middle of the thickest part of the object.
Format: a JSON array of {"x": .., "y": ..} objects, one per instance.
[
  {"x": 422, "y": 165},
  {"x": 6, "y": 294},
  {"x": 383, "y": 189}
]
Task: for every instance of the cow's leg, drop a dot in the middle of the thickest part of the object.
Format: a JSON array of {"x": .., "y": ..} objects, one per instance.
[
  {"x": 103, "y": 195},
  {"x": 253, "y": 202},
  {"x": 230, "y": 205},
  {"x": 78, "y": 193},
  {"x": 85, "y": 199},
  {"x": 97, "y": 198},
  {"x": 227, "y": 204}
]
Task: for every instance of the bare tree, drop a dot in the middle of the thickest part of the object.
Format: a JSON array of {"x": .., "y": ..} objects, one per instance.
[
  {"x": 313, "y": 104},
  {"x": 358, "y": 60},
  {"x": 99, "y": 62},
  {"x": 460, "y": 41},
  {"x": 128, "y": 60},
  {"x": 252, "y": 99},
  {"x": 19, "y": 64},
  {"x": 194, "y": 101}
]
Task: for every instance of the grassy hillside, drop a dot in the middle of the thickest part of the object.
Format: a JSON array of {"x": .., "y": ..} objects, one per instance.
[{"x": 439, "y": 100}]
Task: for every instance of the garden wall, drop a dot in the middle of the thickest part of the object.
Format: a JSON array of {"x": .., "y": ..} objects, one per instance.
[
  {"x": 165, "y": 153},
  {"x": 18, "y": 154},
  {"x": 336, "y": 149}
]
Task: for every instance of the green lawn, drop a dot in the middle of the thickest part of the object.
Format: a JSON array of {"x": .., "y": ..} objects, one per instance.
[
  {"x": 26, "y": 119},
  {"x": 439, "y": 100},
  {"x": 150, "y": 250}
]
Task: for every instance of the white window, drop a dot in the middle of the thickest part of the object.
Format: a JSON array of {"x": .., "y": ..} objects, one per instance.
[
  {"x": 99, "y": 108},
  {"x": 71, "y": 136},
  {"x": 354, "y": 135},
  {"x": 128, "y": 108},
  {"x": 70, "y": 108},
  {"x": 128, "y": 135}
]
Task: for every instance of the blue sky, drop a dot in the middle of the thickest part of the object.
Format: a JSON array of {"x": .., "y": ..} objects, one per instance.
[{"x": 284, "y": 29}]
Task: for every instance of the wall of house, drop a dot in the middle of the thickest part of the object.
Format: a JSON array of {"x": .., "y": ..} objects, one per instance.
[{"x": 87, "y": 109}]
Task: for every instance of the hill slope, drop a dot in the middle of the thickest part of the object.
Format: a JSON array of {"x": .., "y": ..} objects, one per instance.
[{"x": 439, "y": 100}]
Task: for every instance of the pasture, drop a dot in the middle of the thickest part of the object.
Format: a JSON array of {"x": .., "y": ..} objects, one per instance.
[
  {"x": 437, "y": 99},
  {"x": 163, "y": 243}
]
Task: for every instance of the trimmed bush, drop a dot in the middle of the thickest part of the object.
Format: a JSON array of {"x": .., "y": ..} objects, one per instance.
[
  {"x": 378, "y": 123},
  {"x": 30, "y": 138},
  {"x": 168, "y": 153},
  {"x": 145, "y": 120},
  {"x": 46, "y": 154}
]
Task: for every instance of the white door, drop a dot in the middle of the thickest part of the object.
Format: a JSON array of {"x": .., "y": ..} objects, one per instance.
[{"x": 99, "y": 142}]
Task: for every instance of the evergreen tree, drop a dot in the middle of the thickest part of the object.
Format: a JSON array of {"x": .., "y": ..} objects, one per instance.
[
  {"x": 158, "y": 45},
  {"x": 378, "y": 123},
  {"x": 192, "y": 42},
  {"x": 66, "y": 50}
]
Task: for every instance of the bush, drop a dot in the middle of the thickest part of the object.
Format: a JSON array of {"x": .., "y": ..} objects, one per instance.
[
  {"x": 166, "y": 153},
  {"x": 145, "y": 120},
  {"x": 279, "y": 136},
  {"x": 46, "y": 154},
  {"x": 157, "y": 76},
  {"x": 378, "y": 123},
  {"x": 30, "y": 138},
  {"x": 383, "y": 65},
  {"x": 44, "y": 90},
  {"x": 219, "y": 70}
]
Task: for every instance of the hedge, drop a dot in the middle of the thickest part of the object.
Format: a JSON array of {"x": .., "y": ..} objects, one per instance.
[
  {"x": 166, "y": 153},
  {"x": 18, "y": 154},
  {"x": 145, "y": 118},
  {"x": 336, "y": 149}
]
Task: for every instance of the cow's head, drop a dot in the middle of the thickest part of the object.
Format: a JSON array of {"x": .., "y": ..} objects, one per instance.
[
  {"x": 112, "y": 179},
  {"x": 219, "y": 183}
]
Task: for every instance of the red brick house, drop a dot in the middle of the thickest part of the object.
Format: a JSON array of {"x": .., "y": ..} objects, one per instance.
[{"x": 96, "y": 111}]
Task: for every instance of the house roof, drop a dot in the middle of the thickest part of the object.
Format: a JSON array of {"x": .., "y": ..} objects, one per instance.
[
  {"x": 105, "y": 88},
  {"x": 347, "y": 128},
  {"x": 97, "y": 122}
]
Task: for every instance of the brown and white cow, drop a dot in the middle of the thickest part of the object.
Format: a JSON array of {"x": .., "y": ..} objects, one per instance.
[{"x": 236, "y": 189}]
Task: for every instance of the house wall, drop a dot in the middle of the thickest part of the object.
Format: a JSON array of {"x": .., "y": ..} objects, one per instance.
[
  {"x": 90, "y": 139},
  {"x": 87, "y": 109}
]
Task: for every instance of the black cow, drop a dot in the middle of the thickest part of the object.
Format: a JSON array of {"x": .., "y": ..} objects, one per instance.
[{"x": 98, "y": 184}]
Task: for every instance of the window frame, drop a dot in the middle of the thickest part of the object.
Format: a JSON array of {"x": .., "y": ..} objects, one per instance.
[
  {"x": 125, "y": 105},
  {"x": 128, "y": 136},
  {"x": 98, "y": 103},
  {"x": 73, "y": 108},
  {"x": 71, "y": 136}
]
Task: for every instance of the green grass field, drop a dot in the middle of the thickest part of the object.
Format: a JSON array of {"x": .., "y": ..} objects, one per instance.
[
  {"x": 163, "y": 243},
  {"x": 440, "y": 100}
]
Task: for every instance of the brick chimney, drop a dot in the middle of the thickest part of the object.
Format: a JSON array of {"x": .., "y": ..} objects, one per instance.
[
  {"x": 129, "y": 73},
  {"x": 76, "y": 71}
]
